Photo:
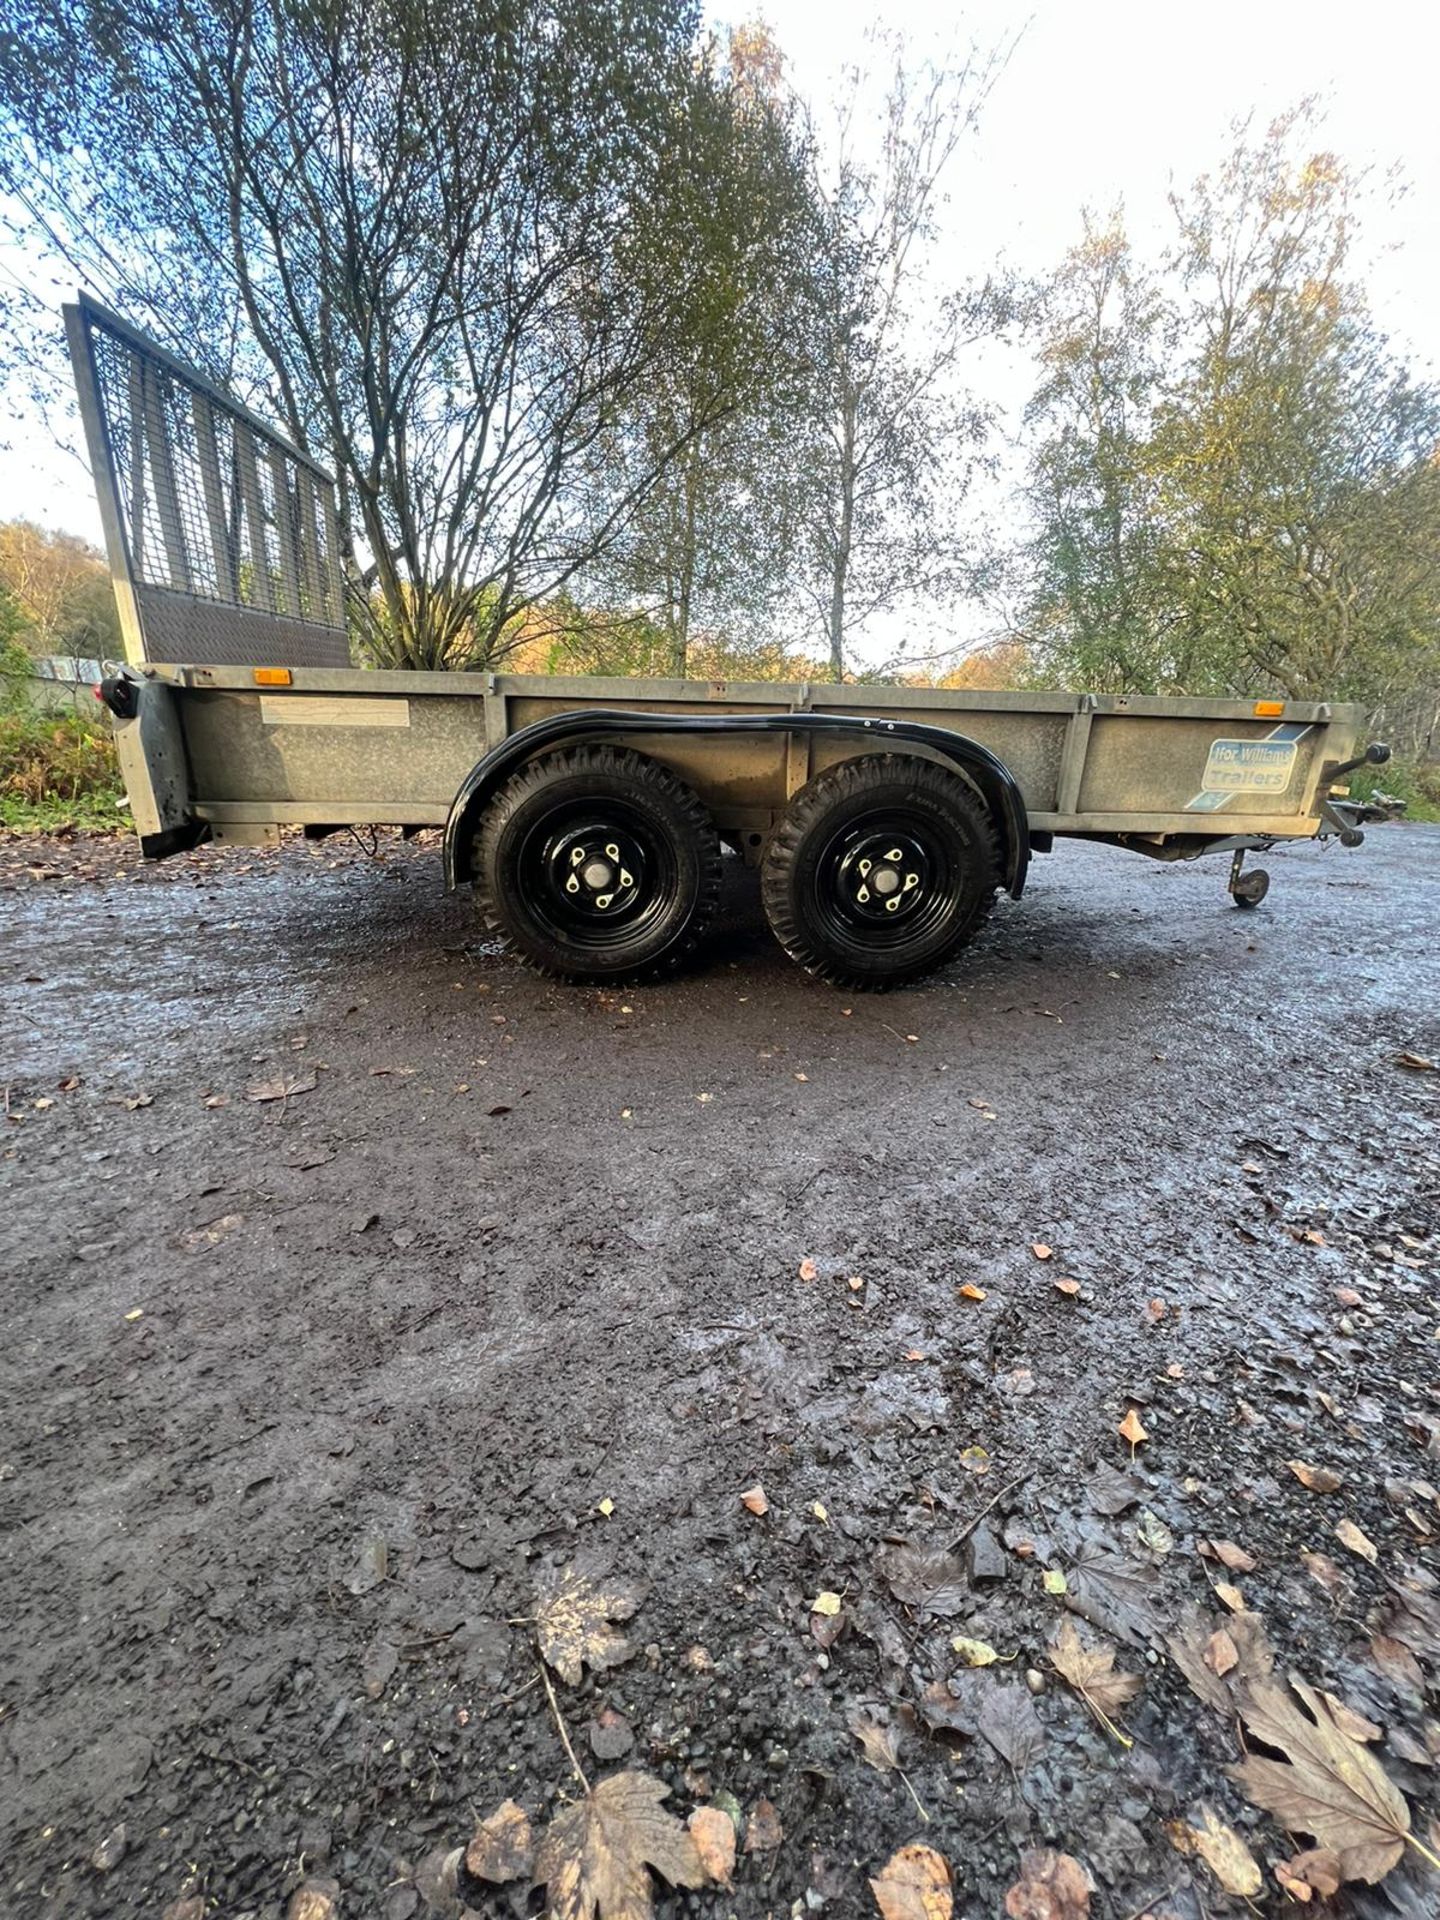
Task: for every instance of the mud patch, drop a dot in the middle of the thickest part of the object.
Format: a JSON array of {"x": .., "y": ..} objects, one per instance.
[{"x": 521, "y": 1278}]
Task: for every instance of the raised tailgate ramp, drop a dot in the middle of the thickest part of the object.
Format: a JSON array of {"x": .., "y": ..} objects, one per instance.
[{"x": 223, "y": 538}]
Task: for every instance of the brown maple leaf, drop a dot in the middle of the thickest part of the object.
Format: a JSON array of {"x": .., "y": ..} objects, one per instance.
[
  {"x": 596, "y": 1857},
  {"x": 713, "y": 1832},
  {"x": 573, "y": 1612},
  {"x": 1246, "y": 1638},
  {"x": 879, "y": 1740},
  {"x": 501, "y": 1849},
  {"x": 914, "y": 1884},
  {"x": 1329, "y": 1785},
  {"x": 1222, "y": 1850},
  {"x": 1092, "y": 1671},
  {"x": 283, "y": 1087},
  {"x": 931, "y": 1582},
  {"x": 1052, "y": 1886}
]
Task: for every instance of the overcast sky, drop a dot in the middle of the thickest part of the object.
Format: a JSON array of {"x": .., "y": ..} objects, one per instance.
[
  {"x": 1102, "y": 100},
  {"x": 1111, "y": 99}
]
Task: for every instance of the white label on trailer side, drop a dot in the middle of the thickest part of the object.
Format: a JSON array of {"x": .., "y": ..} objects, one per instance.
[
  {"x": 1249, "y": 766},
  {"x": 331, "y": 710}
]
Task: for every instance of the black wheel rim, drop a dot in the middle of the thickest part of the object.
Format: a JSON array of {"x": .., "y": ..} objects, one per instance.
[
  {"x": 598, "y": 874},
  {"x": 887, "y": 880}
]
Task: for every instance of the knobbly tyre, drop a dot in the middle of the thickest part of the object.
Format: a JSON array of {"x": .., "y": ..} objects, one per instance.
[{"x": 589, "y": 815}]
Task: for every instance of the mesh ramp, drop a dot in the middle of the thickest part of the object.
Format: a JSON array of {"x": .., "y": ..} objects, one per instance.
[{"x": 222, "y": 536}]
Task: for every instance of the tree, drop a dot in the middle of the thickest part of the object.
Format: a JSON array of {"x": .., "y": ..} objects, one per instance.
[
  {"x": 1092, "y": 587},
  {"x": 61, "y": 590},
  {"x": 1297, "y": 458},
  {"x": 449, "y": 247},
  {"x": 1234, "y": 482},
  {"x": 891, "y": 438},
  {"x": 708, "y": 548}
]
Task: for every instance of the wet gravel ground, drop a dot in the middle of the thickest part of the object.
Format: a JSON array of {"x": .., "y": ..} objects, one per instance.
[{"x": 301, "y": 1395}]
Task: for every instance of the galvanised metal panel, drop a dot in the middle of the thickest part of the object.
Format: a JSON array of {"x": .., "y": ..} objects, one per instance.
[{"x": 221, "y": 534}]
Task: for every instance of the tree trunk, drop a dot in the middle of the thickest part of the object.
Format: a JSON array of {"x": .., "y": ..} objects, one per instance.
[
  {"x": 680, "y": 611},
  {"x": 840, "y": 560}
]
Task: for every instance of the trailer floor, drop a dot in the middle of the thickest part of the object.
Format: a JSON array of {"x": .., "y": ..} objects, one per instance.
[{"x": 514, "y": 1273}]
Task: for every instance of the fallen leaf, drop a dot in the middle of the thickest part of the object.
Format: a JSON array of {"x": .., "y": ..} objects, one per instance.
[
  {"x": 1132, "y": 1428},
  {"x": 1351, "y": 1723},
  {"x": 753, "y": 1499},
  {"x": 1091, "y": 1671},
  {"x": 879, "y": 1739},
  {"x": 808, "y": 1269},
  {"x": 1153, "y": 1533},
  {"x": 1349, "y": 1535},
  {"x": 573, "y": 1611},
  {"x": 501, "y": 1849},
  {"x": 1054, "y": 1581},
  {"x": 934, "y": 1583},
  {"x": 1155, "y": 1311},
  {"x": 1221, "y": 1653},
  {"x": 914, "y": 1353},
  {"x": 821, "y": 1512},
  {"x": 1317, "y": 1479},
  {"x": 1111, "y": 1491},
  {"x": 975, "y": 1459},
  {"x": 1229, "y": 1555},
  {"x": 763, "y": 1831},
  {"x": 1316, "y": 1872},
  {"x": 1113, "y": 1592},
  {"x": 975, "y": 1653},
  {"x": 379, "y": 1664},
  {"x": 1228, "y": 1596},
  {"x": 1008, "y": 1720},
  {"x": 1397, "y": 1663},
  {"x": 283, "y": 1087},
  {"x": 1052, "y": 1886},
  {"x": 827, "y": 1604},
  {"x": 1254, "y": 1658},
  {"x": 1348, "y": 1297},
  {"x": 1417, "y": 1062},
  {"x": 914, "y": 1884},
  {"x": 944, "y": 1710},
  {"x": 212, "y": 1233},
  {"x": 1062, "y": 1284},
  {"x": 1323, "y": 1570},
  {"x": 594, "y": 1857},
  {"x": 605, "y": 1507},
  {"x": 316, "y": 1900},
  {"x": 826, "y": 1628},
  {"x": 713, "y": 1832},
  {"x": 135, "y": 1101},
  {"x": 1222, "y": 1850},
  {"x": 1328, "y": 1786},
  {"x": 970, "y": 1291},
  {"x": 1041, "y": 1251},
  {"x": 372, "y": 1565}
]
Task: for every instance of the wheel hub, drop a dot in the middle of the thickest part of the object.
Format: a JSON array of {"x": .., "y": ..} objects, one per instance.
[
  {"x": 883, "y": 877},
  {"x": 596, "y": 869}
]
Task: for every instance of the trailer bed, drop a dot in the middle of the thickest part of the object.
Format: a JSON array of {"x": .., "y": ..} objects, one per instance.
[{"x": 229, "y": 749}]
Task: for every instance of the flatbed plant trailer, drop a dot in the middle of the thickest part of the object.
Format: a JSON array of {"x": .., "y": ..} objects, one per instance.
[{"x": 589, "y": 814}]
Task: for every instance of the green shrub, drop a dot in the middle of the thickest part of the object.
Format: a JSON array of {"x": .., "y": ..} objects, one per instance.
[
  {"x": 56, "y": 769},
  {"x": 1416, "y": 783}
]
